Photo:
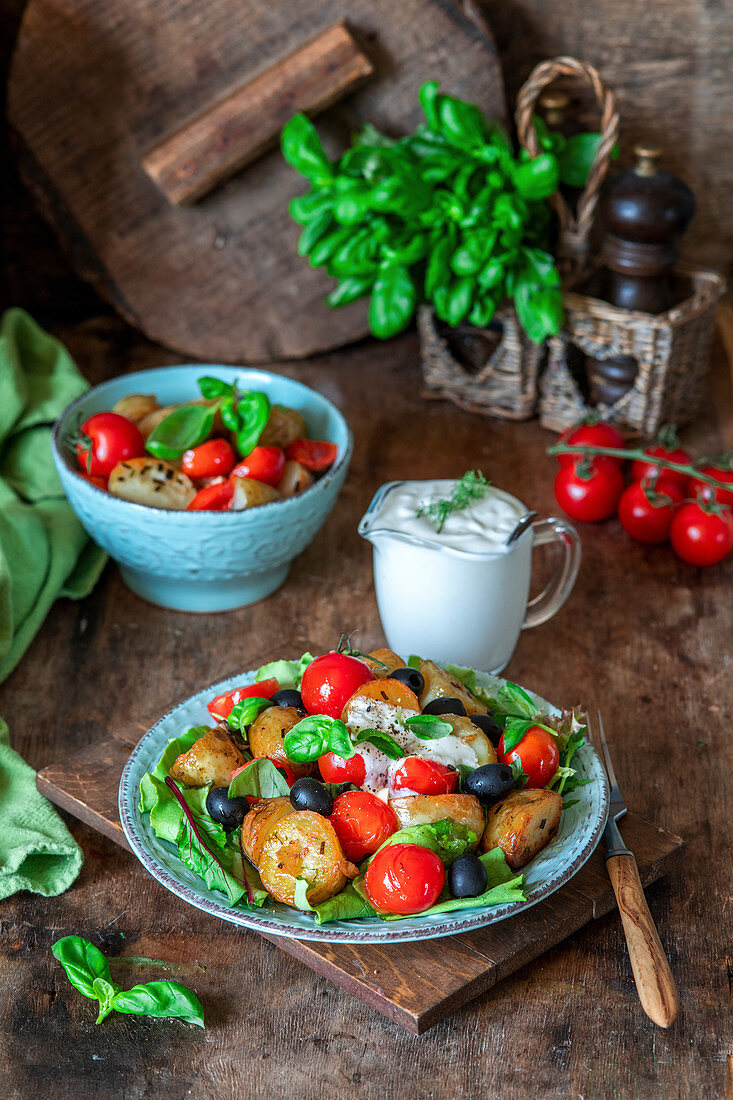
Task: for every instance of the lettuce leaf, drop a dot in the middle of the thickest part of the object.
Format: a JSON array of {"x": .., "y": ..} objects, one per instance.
[
  {"x": 348, "y": 905},
  {"x": 448, "y": 839},
  {"x": 287, "y": 673},
  {"x": 260, "y": 779}
]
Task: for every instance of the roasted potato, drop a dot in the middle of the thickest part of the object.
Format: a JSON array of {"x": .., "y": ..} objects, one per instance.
[
  {"x": 211, "y": 759},
  {"x": 153, "y": 482},
  {"x": 283, "y": 427},
  {"x": 266, "y": 736},
  {"x": 135, "y": 406},
  {"x": 383, "y": 661},
  {"x": 522, "y": 824},
  {"x": 421, "y": 809},
  {"x": 258, "y": 822},
  {"x": 249, "y": 493},
  {"x": 303, "y": 845},
  {"x": 439, "y": 683},
  {"x": 153, "y": 418},
  {"x": 473, "y": 736},
  {"x": 380, "y": 702},
  {"x": 295, "y": 479}
]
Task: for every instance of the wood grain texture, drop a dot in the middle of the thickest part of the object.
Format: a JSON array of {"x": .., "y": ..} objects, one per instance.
[
  {"x": 415, "y": 985},
  {"x": 652, "y": 975},
  {"x": 241, "y": 126},
  {"x": 93, "y": 86}
]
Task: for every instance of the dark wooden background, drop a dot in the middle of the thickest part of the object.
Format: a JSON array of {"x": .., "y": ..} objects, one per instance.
[{"x": 643, "y": 636}]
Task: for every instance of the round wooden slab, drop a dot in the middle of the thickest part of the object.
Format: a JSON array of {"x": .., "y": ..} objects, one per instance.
[{"x": 94, "y": 86}]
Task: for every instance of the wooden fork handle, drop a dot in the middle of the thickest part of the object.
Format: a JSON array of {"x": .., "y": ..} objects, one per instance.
[{"x": 653, "y": 977}]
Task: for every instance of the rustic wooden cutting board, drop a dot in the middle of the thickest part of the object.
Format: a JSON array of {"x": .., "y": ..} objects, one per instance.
[
  {"x": 414, "y": 984},
  {"x": 127, "y": 115}
]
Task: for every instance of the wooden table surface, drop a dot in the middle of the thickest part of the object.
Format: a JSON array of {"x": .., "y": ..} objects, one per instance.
[{"x": 643, "y": 636}]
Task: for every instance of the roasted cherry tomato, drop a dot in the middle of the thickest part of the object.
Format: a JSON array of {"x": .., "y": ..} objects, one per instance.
[
  {"x": 404, "y": 878},
  {"x": 214, "y": 458},
  {"x": 314, "y": 454},
  {"x": 100, "y": 482},
  {"x": 212, "y": 498},
  {"x": 646, "y": 512},
  {"x": 362, "y": 822},
  {"x": 221, "y": 706},
  {"x": 537, "y": 754},
  {"x": 262, "y": 464},
  {"x": 722, "y": 470},
  {"x": 589, "y": 491},
  {"x": 591, "y": 435},
  {"x": 334, "y": 769},
  {"x": 422, "y": 776},
  {"x": 701, "y": 537},
  {"x": 641, "y": 469},
  {"x": 106, "y": 439},
  {"x": 330, "y": 681}
]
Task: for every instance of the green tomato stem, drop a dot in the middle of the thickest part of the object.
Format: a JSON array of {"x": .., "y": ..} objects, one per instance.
[{"x": 636, "y": 453}]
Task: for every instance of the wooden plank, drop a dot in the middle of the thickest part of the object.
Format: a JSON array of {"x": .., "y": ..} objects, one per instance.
[
  {"x": 414, "y": 984},
  {"x": 239, "y": 128}
]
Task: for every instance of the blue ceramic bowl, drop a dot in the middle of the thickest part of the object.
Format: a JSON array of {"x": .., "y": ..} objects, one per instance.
[{"x": 203, "y": 561}]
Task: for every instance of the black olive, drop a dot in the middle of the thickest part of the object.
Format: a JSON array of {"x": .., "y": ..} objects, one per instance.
[
  {"x": 447, "y": 704},
  {"x": 413, "y": 677},
  {"x": 287, "y": 697},
  {"x": 489, "y": 783},
  {"x": 467, "y": 877},
  {"x": 228, "y": 812},
  {"x": 309, "y": 794},
  {"x": 490, "y": 726}
]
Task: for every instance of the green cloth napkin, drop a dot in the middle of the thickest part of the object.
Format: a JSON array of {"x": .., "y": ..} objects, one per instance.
[
  {"x": 44, "y": 550},
  {"x": 37, "y": 851}
]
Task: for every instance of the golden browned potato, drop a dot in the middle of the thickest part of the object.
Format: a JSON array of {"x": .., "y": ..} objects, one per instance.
[
  {"x": 522, "y": 824},
  {"x": 136, "y": 405},
  {"x": 439, "y": 683},
  {"x": 304, "y": 845},
  {"x": 382, "y": 662},
  {"x": 473, "y": 736},
  {"x": 153, "y": 482},
  {"x": 295, "y": 479},
  {"x": 249, "y": 493},
  {"x": 257, "y": 824},
  {"x": 153, "y": 418},
  {"x": 283, "y": 427},
  {"x": 211, "y": 759},
  {"x": 423, "y": 809},
  {"x": 266, "y": 735}
]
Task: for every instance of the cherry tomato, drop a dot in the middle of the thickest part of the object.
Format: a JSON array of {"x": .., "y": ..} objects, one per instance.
[
  {"x": 708, "y": 493},
  {"x": 593, "y": 497},
  {"x": 334, "y": 769},
  {"x": 591, "y": 435},
  {"x": 646, "y": 512},
  {"x": 106, "y": 439},
  {"x": 362, "y": 822},
  {"x": 214, "y": 458},
  {"x": 212, "y": 498},
  {"x": 100, "y": 482},
  {"x": 263, "y": 464},
  {"x": 329, "y": 682},
  {"x": 404, "y": 878},
  {"x": 640, "y": 469},
  {"x": 422, "y": 776},
  {"x": 701, "y": 537},
  {"x": 221, "y": 706},
  {"x": 314, "y": 454},
  {"x": 537, "y": 754}
]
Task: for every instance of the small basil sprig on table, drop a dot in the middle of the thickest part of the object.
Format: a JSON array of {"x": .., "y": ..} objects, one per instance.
[
  {"x": 88, "y": 971},
  {"x": 316, "y": 735}
]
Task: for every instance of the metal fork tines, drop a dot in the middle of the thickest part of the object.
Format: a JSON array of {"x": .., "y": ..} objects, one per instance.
[{"x": 617, "y": 807}]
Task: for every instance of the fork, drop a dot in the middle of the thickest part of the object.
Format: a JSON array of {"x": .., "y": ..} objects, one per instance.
[{"x": 653, "y": 977}]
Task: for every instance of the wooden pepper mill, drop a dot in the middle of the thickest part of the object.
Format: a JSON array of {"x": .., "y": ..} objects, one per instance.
[{"x": 645, "y": 210}]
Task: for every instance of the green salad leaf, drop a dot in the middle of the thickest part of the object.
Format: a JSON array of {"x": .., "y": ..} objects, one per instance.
[
  {"x": 260, "y": 779},
  {"x": 448, "y": 839},
  {"x": 348, "y": 905},
  {"x": 287, "y": 673}
]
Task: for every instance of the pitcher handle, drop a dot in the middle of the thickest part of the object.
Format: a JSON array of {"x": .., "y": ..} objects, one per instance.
[{"x": 551, "y": 599}]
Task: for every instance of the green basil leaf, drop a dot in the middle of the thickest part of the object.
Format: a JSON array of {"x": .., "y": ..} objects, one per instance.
[
  {"x": 301, "y": 147},
  {"x": 260, "y": 779},
  {"x": 339, "y": 741},
  {"x": 253, "y": 411},
  {"x": 314, "y": 231},
  {"x": 575, "y": 159},
  {"x": 83, "y": 963},
  {"x": 305, "y": 208},
  {"x": 514, "y": 700},
  {"x": 324, "y": 249},
  {"x": 383, "y": 742},
  {"x": 428, "y": 101},
  {"x": 482, "y": 311},
  {"x": 393, "y": 302},
  {"x": 461, "y": 123},
  {"x": 413, "y": 661},
  {"x": 185, "y": 427},
  {"x": 514, "y": 731},
  {"x": 161, "y": 999},
  {"x": 244, "y": 713},
  {"x": 428, "y": 727},
  {"x": 460, "y": 297},
  {"x": 541, "y": 266},
  {"x": 315, "y": 735},
  {"x": 214, "y": 387},
  {"x": 538, "y": 178},
  {"x": 105, "y": 992},
  {"x": 349, "y": 290},
  {"x": 228, "y": 414},
  {"x": 438, "y": 269}
]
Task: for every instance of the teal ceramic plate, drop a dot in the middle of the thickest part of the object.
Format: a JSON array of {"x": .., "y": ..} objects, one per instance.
[{"x": 580, "y": 830}]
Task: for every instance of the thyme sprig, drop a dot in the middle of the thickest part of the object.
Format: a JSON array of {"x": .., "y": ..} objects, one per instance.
[{"x": 472, "y": 486}]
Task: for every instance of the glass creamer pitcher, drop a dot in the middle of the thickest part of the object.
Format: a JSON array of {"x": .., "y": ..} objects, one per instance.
[{"x": 461, "y": 595}]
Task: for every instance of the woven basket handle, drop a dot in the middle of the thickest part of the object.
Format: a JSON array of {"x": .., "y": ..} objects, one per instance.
[{"x": 574, "y": 230}]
